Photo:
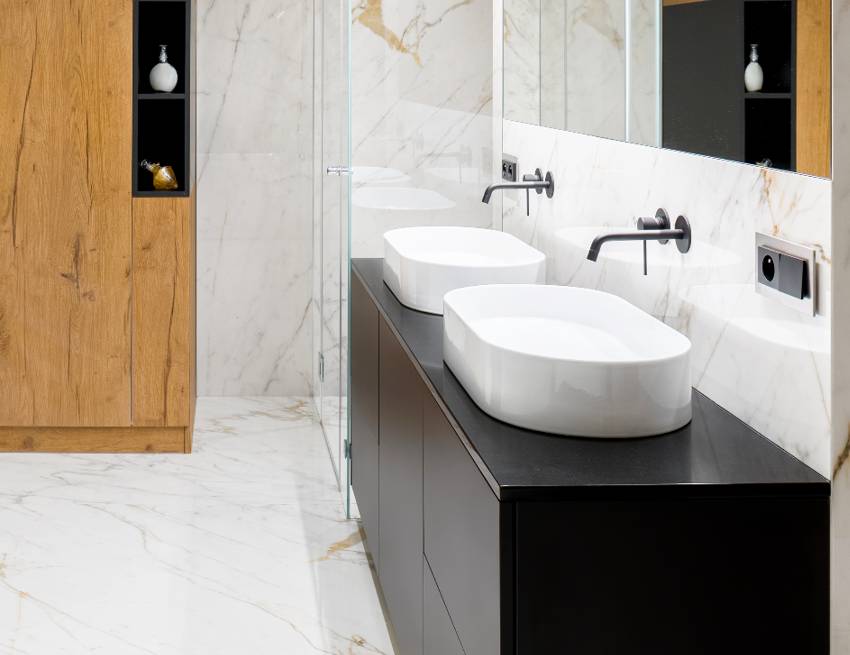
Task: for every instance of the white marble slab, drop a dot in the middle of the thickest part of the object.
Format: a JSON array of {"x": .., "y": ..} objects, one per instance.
[
  {"x": 525, "y": 62},
  {"x": 255, "y": 223},
  {"x": 241, "y": 547}
]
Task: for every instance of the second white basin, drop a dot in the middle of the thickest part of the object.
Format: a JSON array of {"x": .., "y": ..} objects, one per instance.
[
  {"x": 421, "y": 264},
  {"x": 567, "y": 361}
]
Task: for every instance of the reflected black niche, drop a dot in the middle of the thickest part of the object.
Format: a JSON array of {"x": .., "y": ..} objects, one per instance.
[{"x": 706, "y": 108}]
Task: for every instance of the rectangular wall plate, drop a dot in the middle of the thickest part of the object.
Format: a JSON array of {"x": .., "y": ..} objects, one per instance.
[
  {"x": 509, "y": 168},
  {"x": 786, "y": 272}
]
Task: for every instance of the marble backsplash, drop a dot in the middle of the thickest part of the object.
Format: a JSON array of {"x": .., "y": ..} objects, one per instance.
[
  {"x": 765, "y": 363},
  {"x": 255, "y": 86}
]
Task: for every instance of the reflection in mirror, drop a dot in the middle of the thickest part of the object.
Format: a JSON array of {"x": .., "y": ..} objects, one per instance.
[{"x": 671, "y": 73}]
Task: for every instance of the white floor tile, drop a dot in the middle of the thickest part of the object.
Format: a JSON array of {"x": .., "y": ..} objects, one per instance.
[{"x": 241, "y": 547}]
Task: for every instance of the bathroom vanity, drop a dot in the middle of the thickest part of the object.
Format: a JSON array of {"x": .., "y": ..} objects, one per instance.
[{"x": 491, "y": 539}]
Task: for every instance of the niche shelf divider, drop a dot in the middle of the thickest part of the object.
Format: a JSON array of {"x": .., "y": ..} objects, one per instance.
[{"x": 162, "y": 122}]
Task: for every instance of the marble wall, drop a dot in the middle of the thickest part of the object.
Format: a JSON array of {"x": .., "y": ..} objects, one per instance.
[
  {"x": 583, "y": 65},
  {"x": 255, "y": 131},
  {"x": 422, "y": 123},
  {"x": 596, "y": 67},
  {"x": 765, "y": 363},
  {"x": 840, "y": 456},
  {"x": 643, "y": 112},
  {"x": 523, "y": 62}
]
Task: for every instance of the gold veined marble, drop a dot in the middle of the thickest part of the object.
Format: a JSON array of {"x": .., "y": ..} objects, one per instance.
[{"x": 370, "y": 14}]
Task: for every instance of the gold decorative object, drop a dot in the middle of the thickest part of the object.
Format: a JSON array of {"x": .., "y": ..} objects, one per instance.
[{"x": 163, "y": 176}]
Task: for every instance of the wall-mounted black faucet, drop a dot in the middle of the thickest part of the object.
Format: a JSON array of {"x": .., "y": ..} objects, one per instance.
[
  {"x": 656, "y": 228},
  {"x": 534, "y": 181}
]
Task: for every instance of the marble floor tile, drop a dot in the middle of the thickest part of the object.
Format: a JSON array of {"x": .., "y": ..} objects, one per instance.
[{"x": 241, "y": 547}]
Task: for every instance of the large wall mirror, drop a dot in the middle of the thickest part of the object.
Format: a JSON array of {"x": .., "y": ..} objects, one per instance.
[{"x": 744, "y": 80}]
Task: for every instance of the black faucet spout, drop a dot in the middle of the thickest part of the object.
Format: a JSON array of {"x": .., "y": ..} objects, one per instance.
[
  {"x": 488, "y": 192},
  {"x": 637, "y": 235},
  {"x": 649, "y": 229},
  {"x": 534, "y": 181}
]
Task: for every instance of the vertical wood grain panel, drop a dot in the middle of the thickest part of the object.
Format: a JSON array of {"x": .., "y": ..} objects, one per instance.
[
  {"x": 162, "y": 296},
  {"x": 192, "y": 255},
  {"x": 193, "y": 250},
  {"x": 814, "y": 87},
  {"x": 65, "y": 222}
]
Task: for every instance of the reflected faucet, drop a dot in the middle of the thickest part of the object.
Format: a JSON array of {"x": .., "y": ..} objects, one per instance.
[
  {"x": 656, "y": 228},
  {"x": 534, "y": 181}
]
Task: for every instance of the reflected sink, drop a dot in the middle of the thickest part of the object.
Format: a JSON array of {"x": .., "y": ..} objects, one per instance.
[
  {"x": 379, "y": 175},
  {"x": 400, "y": 199},
  {"x": 567, "y": 361},
  {"x": 422, "y": 264}
]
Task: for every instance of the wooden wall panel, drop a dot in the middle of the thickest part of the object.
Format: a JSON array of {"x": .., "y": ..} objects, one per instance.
[
  {"x": 163, "y": 299},
  {"x": 814, "y": 87},
  {"x": 192, "y": 255},
  {"x": 65, "y": 221}
]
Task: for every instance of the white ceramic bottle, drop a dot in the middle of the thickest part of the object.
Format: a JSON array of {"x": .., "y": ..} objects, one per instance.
[
  {"x": 754, "y": 75},
  {"x": 163, "y": 76}
]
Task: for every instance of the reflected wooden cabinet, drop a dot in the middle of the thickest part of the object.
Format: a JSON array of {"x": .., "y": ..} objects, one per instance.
[{"x": 96, "y": 286}]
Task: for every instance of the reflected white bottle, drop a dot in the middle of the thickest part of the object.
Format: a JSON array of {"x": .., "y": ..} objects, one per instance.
[
  {"x": 754, "y": 75},
  {"x": 163, "y": 76}
]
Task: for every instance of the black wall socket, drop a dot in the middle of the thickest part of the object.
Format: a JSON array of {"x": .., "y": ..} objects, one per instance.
[{"x": 783, "y": 272}]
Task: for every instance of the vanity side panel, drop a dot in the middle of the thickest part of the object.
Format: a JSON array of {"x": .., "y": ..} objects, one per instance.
[
  {"x": 463, "y": 539},
  {"x": 697, "y": 576},
  {"x": 365, "y": 411},
  {"x": 400, "y": 519}
]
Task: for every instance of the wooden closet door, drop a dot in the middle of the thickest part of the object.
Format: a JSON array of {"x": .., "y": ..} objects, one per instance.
[{"x": 65, "y": 212}]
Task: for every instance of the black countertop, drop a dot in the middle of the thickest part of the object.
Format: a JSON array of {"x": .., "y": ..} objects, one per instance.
[{"x": 717, "y": 454}]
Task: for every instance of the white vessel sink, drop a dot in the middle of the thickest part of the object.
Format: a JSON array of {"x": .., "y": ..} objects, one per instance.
[
  {"x": 422, "y": 264},
  {"x": 567, "y": 361}
]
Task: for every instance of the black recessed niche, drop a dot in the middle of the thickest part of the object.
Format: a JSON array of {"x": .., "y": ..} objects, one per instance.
[
  {"x": 769, "y": 114},
  {"x": 161, "y": 121}
]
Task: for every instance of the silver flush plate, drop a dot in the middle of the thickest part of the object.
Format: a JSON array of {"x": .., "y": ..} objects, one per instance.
[{"x": 798, "y": 254}]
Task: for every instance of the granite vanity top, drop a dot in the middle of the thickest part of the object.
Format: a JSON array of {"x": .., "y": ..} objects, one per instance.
[{"x": 716, "y": 454}]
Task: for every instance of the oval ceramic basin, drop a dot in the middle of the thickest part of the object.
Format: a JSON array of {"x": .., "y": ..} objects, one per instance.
[
  {"x": 567, "y": 361},
  {"x": 422, "y": 264}
]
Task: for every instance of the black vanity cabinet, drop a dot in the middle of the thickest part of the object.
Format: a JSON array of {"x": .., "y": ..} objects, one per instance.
[
  {"x": 493, "y": 540},
  {"x": 432, "y": 523},
  {"x": 439, "y": 635},
  {"x": 464, "y": 522},
  {"x": 400, "y": 567},
  {"x": 365, "y": 412}
]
